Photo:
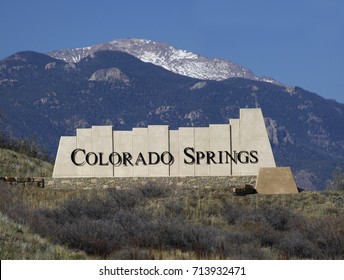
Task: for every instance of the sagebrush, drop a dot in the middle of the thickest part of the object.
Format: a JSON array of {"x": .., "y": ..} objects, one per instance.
[{"x": 155, "y": 222}]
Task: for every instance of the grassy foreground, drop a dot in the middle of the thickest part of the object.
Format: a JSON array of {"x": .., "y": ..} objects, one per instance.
[
  {"x": 155, "y": 222},
  {"x": 17, "y": 242},
  {"x": 17, "y": 164}
]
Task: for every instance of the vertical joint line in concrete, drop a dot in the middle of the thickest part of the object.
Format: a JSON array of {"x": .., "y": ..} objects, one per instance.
[
  {"x": 92, "y": 168},
  {"x": 169, "y": 148},
  {"x": 112, "y": 149},
  {"x": 231, "y": 148}
]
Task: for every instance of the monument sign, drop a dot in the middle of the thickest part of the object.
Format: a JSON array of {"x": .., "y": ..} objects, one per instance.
[{"x": 240, "y": 147}]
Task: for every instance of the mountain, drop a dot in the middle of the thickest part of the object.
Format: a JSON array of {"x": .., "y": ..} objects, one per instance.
[
  {"x": 45, "y": 97},
  {"x": 161, "y": 54}
]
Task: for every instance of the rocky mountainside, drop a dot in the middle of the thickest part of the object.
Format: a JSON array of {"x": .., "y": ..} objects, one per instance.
[
  {"x": 161, "y": 54},
  {"x": 44, "y": 97}
]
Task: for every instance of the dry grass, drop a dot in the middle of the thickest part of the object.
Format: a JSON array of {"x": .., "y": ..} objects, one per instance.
[
  {"x": 183, "y": 223},
  {"x": 18, "y": 243},
  {"x": 16, "y": 164},
  {"x": 199, "y": 201}
]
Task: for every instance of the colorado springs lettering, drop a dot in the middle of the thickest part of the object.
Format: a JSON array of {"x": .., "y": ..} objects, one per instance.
[{"x": 81, "y": 157}]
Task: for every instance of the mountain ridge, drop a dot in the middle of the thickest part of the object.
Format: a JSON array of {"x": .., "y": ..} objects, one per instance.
[
  {"x": 176, "y": 60},
  {"x": 46, "y": 98}
]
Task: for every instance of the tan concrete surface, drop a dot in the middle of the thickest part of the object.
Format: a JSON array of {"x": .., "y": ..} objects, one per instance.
[
  {"x": 243, "y": 135},
  {"x": 174, "y": 150},
  {"x": 158, "y": 143},
  {"x": 277, "y": 180},
  {"x": 253, "y": 136},
  {"x": 219, "y": 141},
  {"x": 84, "y": 141},
  {"x": 123, "y": 143},
  {"x": 235, "y": 144},
  {"x": 140, "y": 145},
  {"x": 186, "y": 139},
  {"x": 202, "y": 144},
  {"x": 102, "y": 142},
  {"x": 64, "y": 167}
]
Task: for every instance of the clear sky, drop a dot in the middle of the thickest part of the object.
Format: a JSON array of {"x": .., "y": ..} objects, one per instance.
[{"x": 298, "y": 42}]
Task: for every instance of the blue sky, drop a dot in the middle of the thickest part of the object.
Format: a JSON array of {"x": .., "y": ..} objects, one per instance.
[{"x": 298, "y": 42}]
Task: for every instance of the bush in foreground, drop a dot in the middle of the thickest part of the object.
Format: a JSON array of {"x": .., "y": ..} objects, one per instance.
[{"x": 148, "y": 224}]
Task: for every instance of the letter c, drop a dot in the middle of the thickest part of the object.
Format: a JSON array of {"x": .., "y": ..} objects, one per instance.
[{"x": 73, "y": 155}]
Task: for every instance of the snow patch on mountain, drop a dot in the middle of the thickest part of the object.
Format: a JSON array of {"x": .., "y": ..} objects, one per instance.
[{"x": 179, "y": 61}]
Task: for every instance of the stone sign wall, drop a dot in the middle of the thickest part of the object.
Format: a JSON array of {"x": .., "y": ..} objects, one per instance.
[{"x": 238, "y": 148}]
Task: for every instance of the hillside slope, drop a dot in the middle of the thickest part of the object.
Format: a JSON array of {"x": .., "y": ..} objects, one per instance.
[
  {"x": 46, "y": 98},
  {"x": 14, "y": 164},
  {"x": 180, "y": 222},
  {"x": 18, "y": 243}
]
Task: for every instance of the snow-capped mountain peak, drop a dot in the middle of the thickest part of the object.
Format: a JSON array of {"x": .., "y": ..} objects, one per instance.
[{"x": 173, "y": 59}]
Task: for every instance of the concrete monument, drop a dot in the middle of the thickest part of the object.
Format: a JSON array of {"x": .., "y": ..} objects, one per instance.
[
  {"x": 240, "y": 147},
  {"x": 277, "y": 180}
]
